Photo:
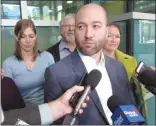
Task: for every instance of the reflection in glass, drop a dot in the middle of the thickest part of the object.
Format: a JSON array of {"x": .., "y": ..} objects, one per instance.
[
  {"x": 7, "y": 42},
  {"x": 52, "y": 10},
  {"x": 144, "y": 41},
  {"x": 113, "y": 7},
  {"x": 10, "y": 10},
  {"x": 47, "y": 36},
  {"x": 144, "y": 6}
]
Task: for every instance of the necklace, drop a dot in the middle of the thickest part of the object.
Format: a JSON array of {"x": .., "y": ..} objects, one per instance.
[{"x": 29, "y": 64}]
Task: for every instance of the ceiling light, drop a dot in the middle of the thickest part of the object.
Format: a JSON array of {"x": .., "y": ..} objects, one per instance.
[
  {"x": 59, "y": 7},
  {"x": 50, "y": 11},
  {"x": 69, "y": 2}
]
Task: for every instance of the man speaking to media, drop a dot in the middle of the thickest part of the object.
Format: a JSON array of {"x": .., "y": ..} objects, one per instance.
[{"x": 90, "y": 33}]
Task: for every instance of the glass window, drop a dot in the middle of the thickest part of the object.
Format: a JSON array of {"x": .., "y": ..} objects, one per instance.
[
  {"x": 144, "y": 41},
  {"x": 52, "y": 10},
  {"x": 144, "y": 6},
  {"x": 151, "y": 109},
  {"x": 122, "y": 45},
  {"x": 7, "y": 42},
  {"x": 144, "y": 50},
  {"x": 47, "y": 36},
  {"x": 10, "y": 9},
  {"x": 112, "y": 7}
]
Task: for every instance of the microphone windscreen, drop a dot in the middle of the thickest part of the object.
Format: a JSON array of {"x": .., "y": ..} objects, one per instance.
[
  {"x": 148, "y": 78},
  {"x": 114, "y": 102},
  {"x": 93, "y": 78}
]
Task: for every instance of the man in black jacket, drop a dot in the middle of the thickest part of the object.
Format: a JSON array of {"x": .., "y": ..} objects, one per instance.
[{"x": 67, "y": 44}]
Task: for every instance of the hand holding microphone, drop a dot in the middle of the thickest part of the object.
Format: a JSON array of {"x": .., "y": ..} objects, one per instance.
[{"x": 91, "y": 81}]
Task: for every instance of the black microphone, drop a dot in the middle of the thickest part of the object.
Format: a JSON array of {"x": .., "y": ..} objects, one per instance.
[
  {"x": 123, "y": 113},
  {"x": 114, "y": 102},
  {"x": 91, "y": 82},
  {"x": 76, "y": 96}
]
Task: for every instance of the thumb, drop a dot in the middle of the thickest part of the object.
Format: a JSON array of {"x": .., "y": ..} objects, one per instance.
[{"x": 76, "y": 89}]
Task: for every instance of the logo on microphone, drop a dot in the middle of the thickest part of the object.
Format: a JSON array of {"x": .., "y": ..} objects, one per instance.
[
  {"x": 121, "y": 114},
  {"x": 120, "y": 119},
  {"x": 132, "y": 113}
]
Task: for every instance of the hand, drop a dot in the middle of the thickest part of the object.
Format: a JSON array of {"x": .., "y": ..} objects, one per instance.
[
  {"x": 2, "y": 73},
  {"x": 61, "y": 106}
]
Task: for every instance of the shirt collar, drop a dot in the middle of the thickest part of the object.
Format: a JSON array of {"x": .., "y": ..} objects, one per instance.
[
  {"x": 88, "y": 58},
  {"x": 62, "y": 45}
]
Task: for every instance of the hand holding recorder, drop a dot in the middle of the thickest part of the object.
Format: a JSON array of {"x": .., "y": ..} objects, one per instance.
[{"x": 147, "y": 76}]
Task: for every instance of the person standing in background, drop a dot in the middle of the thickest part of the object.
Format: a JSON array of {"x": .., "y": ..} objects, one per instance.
[
  {"x": 27, "y": 66},
  {"x": 110, "y": 48},
  {"x": 67, "y": 44}
]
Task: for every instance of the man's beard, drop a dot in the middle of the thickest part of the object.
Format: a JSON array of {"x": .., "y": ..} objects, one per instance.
[
  {"x": 70, "y": 38},
  {"x": 89, "y": 52}
]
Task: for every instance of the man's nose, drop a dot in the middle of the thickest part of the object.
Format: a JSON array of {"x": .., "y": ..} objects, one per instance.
[
  {"x": 88, "y": 33},
  {"x": 71, "y": 27}
]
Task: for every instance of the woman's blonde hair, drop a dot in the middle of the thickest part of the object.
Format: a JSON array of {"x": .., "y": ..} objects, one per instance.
[{"x": 20, "y": 26}]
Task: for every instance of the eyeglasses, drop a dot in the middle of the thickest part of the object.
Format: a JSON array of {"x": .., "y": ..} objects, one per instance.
[{"x": 68, "y": 26}]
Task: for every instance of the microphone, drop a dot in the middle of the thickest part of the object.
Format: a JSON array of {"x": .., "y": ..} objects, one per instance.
[
  {"x": 76, "y": 96},
  {"x": 92, "y": 80},
  {"x": 124, "y": 114}
]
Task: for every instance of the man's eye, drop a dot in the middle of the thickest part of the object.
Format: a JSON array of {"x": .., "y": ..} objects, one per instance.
[
  {"x": 117, "y": 36},
  {"x": 96, "y": 26},
  {"x": 80, "y": 27}
]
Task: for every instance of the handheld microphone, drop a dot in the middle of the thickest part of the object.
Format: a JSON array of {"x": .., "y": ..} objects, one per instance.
[
  {"x": 92, "y": 80},
  {"x": 124, "y": 114},
  {"x": 76, "y": 96}
]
